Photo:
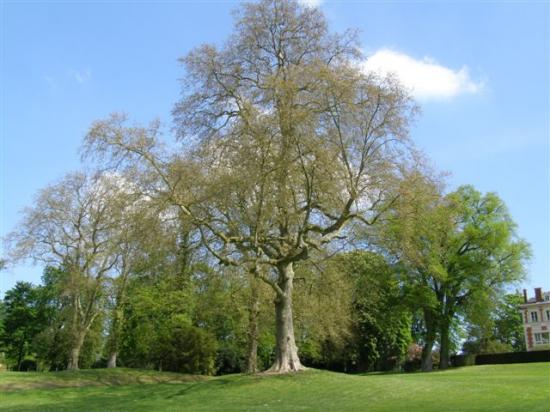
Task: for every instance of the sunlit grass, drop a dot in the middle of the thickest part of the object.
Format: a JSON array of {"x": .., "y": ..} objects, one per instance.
[{"x": 515, "y": 387}]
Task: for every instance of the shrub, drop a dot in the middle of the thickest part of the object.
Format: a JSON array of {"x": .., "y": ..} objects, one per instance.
[
  {"x": 230, "y": 359},
  {"x": 187, "y": 349}
]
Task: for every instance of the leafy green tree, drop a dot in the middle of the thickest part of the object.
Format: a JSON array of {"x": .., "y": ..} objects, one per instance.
[
  {"x": 23, "y": 320},
  {"x": 508, "y": 323},
  {"x": 151, "y": 305},
  {"x": 502, "y": 330},
  {"x": 52, "y": 344},
  {"x": 19, "y": 323},
  {"x": 159, "y": 333},
  {"x": 145, "y": 245},
  {"x": 381, "y": 319},
  {"x": 221, "y": 309},
  {"x": 458, "y": 250}
]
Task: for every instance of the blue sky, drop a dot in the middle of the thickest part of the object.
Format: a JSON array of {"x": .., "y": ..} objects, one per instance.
[{"x": 480, "y": 71}]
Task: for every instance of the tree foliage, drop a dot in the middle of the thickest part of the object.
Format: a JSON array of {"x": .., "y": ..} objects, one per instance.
[
  {"x": 22, "y": 321},
  {"x": 458, "y": 249},
  {"x": 292, "y": 143},
  {"x": 288, "y": 158}
]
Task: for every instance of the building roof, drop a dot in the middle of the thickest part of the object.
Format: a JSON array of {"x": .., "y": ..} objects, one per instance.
[{"x": 533, "y": 301}]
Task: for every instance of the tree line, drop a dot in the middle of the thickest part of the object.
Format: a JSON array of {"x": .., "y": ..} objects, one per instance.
[{"x": 292, "y": 183}]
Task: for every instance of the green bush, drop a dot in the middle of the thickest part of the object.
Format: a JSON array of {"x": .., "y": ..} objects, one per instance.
[
  {"x": 230, "y": 358},
  {"x": 187, "y": 349}
]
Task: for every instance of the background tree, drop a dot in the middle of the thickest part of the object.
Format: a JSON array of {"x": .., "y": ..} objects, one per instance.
[
  {"x": 381, "y": 317},
  {"x": 23, "y": 320},
  {"x": 52, "y": 344},
  {"x": 293, "y": 144},
  {"x": 75, "y": 225},
  {"x": 500, "y": 329},
  {"x": 508, "y": 323},
  {"x": 145, "y": 232},
  {"x": 457, "y": 248},
  {"x": 323, "y": 340}
]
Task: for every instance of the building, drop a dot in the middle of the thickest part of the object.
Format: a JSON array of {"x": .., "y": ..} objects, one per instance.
[{"x": 536, "y": 320}]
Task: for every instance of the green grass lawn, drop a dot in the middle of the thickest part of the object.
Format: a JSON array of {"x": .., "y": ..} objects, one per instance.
[{"x": 517, "y": 387}]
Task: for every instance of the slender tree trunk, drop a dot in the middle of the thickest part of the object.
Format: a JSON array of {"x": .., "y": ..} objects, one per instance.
[
  {"x": 111, "y": 363},
  {"x": 113, "y": 339},
  {"x": 20, "y": 355},
  {"x": 444, "y": 360},
  {"x": 429, "y": 320},
  {"x": 117, "y": 320},
  {"x": 253, "y": 312},
  {"x": 286, "y": 352}
]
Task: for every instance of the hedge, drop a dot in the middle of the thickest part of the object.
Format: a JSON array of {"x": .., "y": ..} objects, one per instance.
[
  {"x": 513, "y": 357},
  {"x": 463, "y": 360}
]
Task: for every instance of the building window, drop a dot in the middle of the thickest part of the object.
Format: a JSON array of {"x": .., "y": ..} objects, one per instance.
[
  {"x": 538, "y": 339},
  {"x": 545, "y": 337},
  {"x": 548, "y": 315},
  {"x": 534, "y": 317}
]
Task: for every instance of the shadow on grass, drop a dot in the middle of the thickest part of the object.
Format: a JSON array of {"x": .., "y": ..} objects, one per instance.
[
  {"x": 21, "y": 381},
  {"x": 135, "y": 397}
]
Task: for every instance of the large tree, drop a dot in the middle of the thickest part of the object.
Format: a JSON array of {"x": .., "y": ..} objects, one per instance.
[
  {"x": 144, "y": 234},
  {"x": 287, "y": 143},
  {"x": 459, "y": 249},
  {"x": 76, "y": 224}
]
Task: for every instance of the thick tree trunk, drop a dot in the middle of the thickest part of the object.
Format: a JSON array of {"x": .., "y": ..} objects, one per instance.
[
  {"x": 74, "y": 354},
  {"x": 444, "y": 361},
  {"x": 74, "y": 357},
  {"x": 253, "y": 312},
  {"x": 427, "y": 364},
  {"x": 286, "y": 352},
  {"x": 111, "y": 363},
  {"x": 429, "y": 320}
]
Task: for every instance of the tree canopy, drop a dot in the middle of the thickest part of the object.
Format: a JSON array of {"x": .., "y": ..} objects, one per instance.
[
  {"x": 289, "y": 142},
  {"x": 292, "y": 182},
  {"x": 457, "y": 249}
]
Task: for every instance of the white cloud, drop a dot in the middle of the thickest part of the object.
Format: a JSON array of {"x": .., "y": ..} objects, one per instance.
[
  {"x": 426, "y": 79},
  {"x": 310, "y": 3},
  {"x": 80, "y": 76}
]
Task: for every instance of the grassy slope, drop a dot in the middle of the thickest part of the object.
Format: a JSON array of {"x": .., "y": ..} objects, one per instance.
[
  {"x": 478, "y": 388},
  {"x": 15, "y": 381}
]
